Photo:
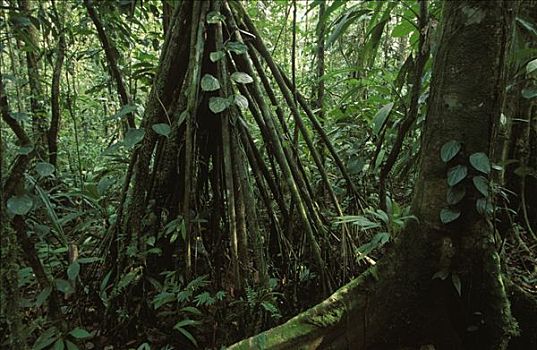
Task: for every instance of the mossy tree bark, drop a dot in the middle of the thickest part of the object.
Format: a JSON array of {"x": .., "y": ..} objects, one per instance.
[{"x": 401, "y": 302}]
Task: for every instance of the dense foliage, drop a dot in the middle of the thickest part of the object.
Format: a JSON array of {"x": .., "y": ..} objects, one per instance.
[{"x": 178, "y": 176}]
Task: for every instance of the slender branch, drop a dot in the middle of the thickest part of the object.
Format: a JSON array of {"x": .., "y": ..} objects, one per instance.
[{"x": 111, "y": 56}]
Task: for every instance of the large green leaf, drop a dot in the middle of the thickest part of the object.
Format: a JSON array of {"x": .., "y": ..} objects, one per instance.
[
  {"x": 73, "y": 270},
  {"x": 456, "y": 174},
  {"x": 480, "y": 161},
  {"x": 63, "y": 285},
  {"x": 217, "y": 55},
  {"x": 482, "y": 184},
  {"x": 241, "y": 101},
  {"x": 80, "y": 333},
  {"x": 529, "y": 92},
  {"x": 44, "y": 169},
  {"x": 20, "y": 205},
  {"x": 402, "y": 29},
  {"x": 58, "y": 345},
  {"x": 209, "y": 83},
  {"x": 236, "y": 47},
  {"x": 25, "y": 150},
  {"x": 162, "y": 129},
  {"x": 133, "y": 136},
  {"x": 218, "y": 104},
  {"x": 124, "y": 111},
  {"x": 352, "y": 15},
  {"x": 532, "y": 66},
  {"x": 241, "y": 77},
  {"x": 46, "y": 338},
  {"x": 484, "y": 206},
  {"x": 449, "y": 150},
  {"x": 381, "y": 116}
]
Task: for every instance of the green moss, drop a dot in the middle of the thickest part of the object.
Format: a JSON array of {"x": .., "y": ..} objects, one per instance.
[{"x": 328, "y": 318}]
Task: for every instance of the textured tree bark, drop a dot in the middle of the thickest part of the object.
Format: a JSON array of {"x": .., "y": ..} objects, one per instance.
[
  {"x": 406, "y": 306},
  {"x": 39, "y": 114},
  {"x": 55, "y": 90}
]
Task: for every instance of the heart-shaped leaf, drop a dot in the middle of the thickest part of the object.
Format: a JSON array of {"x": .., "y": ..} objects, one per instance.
[
  {"x": 455, "y": 194},
  {"x": 20, "y": 205},
  {"x": 44, "y": 169},
  {"x": 161, "y": 129},
  {"x": 133, "y": 136},
  {"x": 241, "y": 101},
  {"x": 482, "y": 184},
  {"x": 63, "y": 285},
  {"x": 215, "y": 17},
  {"x": 242, "y": 78},
  {"x": 236, "y": 47},
  {"x": 218, "y": 104},
  {"x": 124, "y": 111},
  {"x": 449, "y": 150},
  {"x": 484, "y": 206},
  {"x": 73, "y": 270},
  {"x": 456, "y": 174},
  {"x": 480, "y": 161},
  {"x": 448, "y": 215},
  {"x": 209, "y": 83},
  {"x": 216, "y": 56},
  {"x": 25, "y": 150}
]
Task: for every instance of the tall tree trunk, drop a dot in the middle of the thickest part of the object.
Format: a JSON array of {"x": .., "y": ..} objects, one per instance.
[
  {"x": 441, "y": 283},
  {"x": 55, "y": 90},
  {"x": 520, "y": 147},
  {"x": 112, "y": 57},
  {"x": 39, "y": 114}
]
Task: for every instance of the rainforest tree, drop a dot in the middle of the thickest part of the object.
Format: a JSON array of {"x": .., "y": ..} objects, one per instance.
[{"x": 269, "y": 175}]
